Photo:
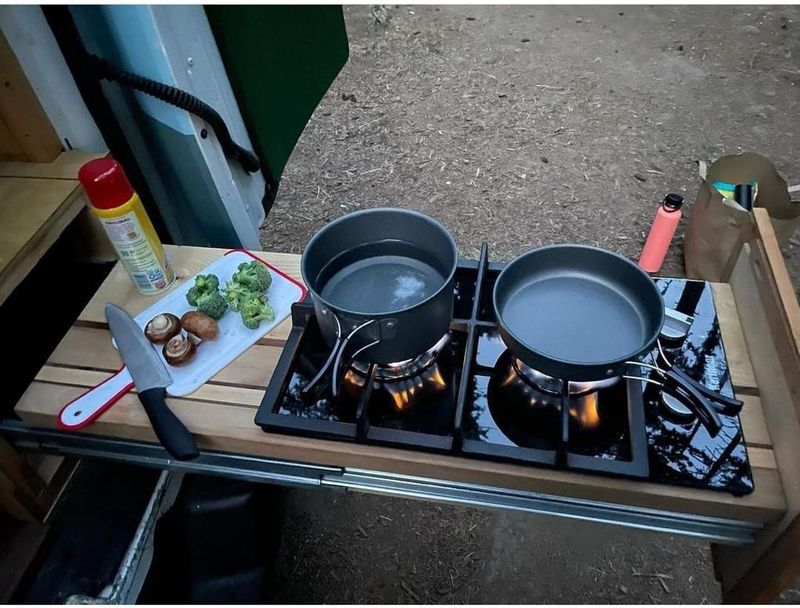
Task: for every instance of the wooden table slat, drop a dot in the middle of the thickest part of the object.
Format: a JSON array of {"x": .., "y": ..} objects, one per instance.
[
  {"x": 732, "y": 337},
  {"x": 220, "y": 393}
]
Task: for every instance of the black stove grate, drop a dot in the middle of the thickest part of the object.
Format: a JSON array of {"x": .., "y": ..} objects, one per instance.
[
  {"x": 511, "y": 429},
  {"x": 366, "y": 410},
  {"x": 623, "y": 430}
]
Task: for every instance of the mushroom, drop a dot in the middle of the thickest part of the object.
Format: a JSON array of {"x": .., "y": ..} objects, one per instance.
[
  {"x": 179, "y": 350},
  {"x": 162, "y": 327},
  {"x": 200, "y": 325}
]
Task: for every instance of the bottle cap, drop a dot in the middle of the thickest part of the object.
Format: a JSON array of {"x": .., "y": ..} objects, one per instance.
[
  {"x": 673, "y": 201},
  {"x": 105, "y": 183},
  {"x": 743, "y": 194}
]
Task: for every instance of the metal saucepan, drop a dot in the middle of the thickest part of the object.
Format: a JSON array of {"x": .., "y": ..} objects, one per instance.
[
  {"x": 381, "y": 281},
  {"x": 584, "y": 314}
]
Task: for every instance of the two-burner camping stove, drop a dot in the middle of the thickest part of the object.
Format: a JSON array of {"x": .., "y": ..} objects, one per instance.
[{"x": 468, "y": 395}]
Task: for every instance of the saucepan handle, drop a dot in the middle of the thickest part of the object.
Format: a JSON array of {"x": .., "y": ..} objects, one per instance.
[
  {"x": 338, "y": 362},
  {"x": 337, "y": 345},
  {"x": 306, "y": 390},
  {"x": 334, "y": 360}
]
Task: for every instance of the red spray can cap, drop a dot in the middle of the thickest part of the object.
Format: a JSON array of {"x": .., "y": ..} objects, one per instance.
[{"x": 105, "y": 183}]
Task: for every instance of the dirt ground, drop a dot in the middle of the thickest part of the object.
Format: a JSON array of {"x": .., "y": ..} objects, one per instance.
[{"x": 522, "y": 126}]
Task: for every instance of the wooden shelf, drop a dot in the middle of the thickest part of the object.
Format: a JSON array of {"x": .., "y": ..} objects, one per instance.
[
  {"x": 37, "y": 203},
  {"x": 770, "y": 317}
]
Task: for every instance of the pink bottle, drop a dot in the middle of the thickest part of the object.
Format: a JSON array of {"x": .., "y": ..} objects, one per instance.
[{"x": 661, "y": 233}]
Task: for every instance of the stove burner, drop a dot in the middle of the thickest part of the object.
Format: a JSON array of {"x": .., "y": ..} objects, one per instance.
[
  {"x": 554, "y": 386},
  {"x": 413, "y": 394},
  {"x": 526, "y": 405},
  {"x": 402, "y": 370},
  {"x": 403, "y": 392}
]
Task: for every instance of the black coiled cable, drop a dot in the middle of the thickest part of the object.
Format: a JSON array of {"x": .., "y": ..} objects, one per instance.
[{"x": 186, "y": 101}]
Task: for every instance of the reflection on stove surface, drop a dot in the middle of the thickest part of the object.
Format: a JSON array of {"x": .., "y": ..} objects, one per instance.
[
  {"x": 320, "y": 405},
  {"x": 681, "y": 450},
  {"x": 505, "y": 409}
]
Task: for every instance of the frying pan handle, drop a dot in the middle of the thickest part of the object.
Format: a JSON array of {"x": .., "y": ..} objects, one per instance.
[
  {"x": 697, "y": 401},
  {"x": 727, "y": 405},
  {"x": 730, "y": 406}
]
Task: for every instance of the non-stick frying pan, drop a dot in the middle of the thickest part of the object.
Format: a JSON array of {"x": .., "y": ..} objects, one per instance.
[
  {"x": 581, "y": 313},
  {"x": 576, "y": 312}
]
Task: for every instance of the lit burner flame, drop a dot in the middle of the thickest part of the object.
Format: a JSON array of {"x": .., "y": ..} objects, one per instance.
[
  {"x": 402, "y": 398},
  {"x": 511, "y": 377},
  {"x": 585, "y": 411},
  {"x": 436, "y": 379},
  {"x": 404, "y": 392},
  {"x": 352, "y": 382}
]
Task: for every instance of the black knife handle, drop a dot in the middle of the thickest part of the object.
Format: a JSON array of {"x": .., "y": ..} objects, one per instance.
[{"x": 171, "y": 432}]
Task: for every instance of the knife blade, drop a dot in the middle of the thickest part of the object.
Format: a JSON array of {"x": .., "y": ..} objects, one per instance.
[{"x": 151, "y": 378}]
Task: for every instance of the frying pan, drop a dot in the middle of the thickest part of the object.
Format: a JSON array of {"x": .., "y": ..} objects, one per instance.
[
  {"x": 576, "y": 312},
  {"x": 580, "y": 313}
]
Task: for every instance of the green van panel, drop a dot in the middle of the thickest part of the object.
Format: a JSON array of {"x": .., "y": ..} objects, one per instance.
[{"x": 280, "y": 61}]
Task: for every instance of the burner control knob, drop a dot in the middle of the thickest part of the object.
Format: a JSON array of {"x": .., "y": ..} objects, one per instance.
[{"x": 676, "y": 326}]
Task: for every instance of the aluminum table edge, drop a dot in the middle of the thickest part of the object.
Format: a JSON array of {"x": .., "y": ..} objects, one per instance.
[{"x": 266, "y": 470}]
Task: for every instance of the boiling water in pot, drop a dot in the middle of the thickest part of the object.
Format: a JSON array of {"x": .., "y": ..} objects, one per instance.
[{"x": 381, "y": 277}]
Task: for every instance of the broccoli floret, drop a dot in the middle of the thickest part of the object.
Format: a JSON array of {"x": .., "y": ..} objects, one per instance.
[
  {"x": 255, "y": 308},
  {"x": 213, "y": 304},
  {"x": 235, "y": 293},
  {"x": 254, "y": 276},
  {"x": 193, "y": 294},
  {"x": 203, "y": 285}
]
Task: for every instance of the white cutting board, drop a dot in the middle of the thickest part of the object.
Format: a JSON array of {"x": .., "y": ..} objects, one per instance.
[{"x": 213, "y": 355}]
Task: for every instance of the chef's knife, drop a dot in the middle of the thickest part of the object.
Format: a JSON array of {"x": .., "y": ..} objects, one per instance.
[{"x": 151, "y": 379}]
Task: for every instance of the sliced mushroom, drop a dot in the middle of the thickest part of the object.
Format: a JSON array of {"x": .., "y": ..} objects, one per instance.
[
  {"x": 162, "y": 327},
  {"x": 200, "y": 324},
  {"x": 179, "y": 350}
]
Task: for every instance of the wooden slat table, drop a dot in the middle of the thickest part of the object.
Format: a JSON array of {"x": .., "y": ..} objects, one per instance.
[{"x": 221, "y": 414}]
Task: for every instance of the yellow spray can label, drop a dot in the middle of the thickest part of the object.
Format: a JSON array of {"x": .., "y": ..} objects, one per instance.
[{"x": 139, "y": 248}]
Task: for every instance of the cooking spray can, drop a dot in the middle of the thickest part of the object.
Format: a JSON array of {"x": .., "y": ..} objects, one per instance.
[{"x": 125, "y": 221}]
